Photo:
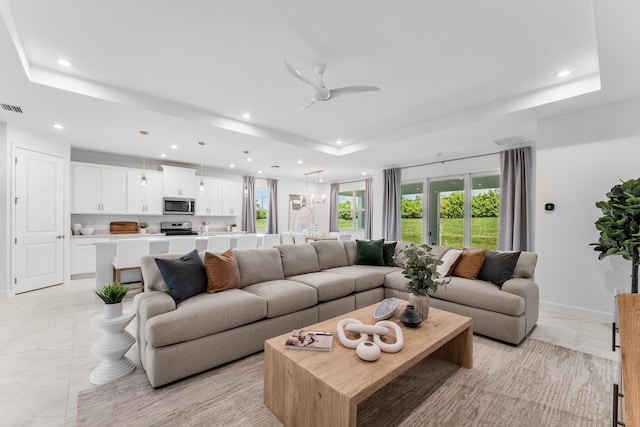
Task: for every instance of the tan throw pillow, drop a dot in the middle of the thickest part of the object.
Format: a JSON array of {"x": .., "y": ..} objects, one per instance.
[
  {"x": 470, "y": 263},
  {"x": 449, "y": 261},
  {"x": 222, "y": 271}
]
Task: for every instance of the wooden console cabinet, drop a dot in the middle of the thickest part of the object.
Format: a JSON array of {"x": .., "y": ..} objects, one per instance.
[{"x": 627, "y": 392}]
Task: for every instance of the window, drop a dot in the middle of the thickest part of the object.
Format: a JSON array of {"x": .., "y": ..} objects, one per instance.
[
  {"x": 262, "y": 203},
  {"x": 351, "y": 210},
  {"x": 411, "y": 195},
  {"x": 459, "y": 211}
]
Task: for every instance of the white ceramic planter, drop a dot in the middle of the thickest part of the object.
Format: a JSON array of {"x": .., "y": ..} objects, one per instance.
[
  {"x": 112, "y": 310},
  {"x": 368, "y": 351},
  {"x": 421, "y": 304}
]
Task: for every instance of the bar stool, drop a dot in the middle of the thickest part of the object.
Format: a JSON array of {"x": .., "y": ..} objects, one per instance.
[
  {"x": 128, "y": 254},
  {"x": 270, "y": 240},
  {"x": 218, "y": 244},
  {"x": 181, "y": 245},
  {"x": 247, "y": 241}
]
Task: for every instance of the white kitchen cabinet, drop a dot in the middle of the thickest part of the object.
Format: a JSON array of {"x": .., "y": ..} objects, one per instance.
[
  {"x": 145, "y": 200},
  {"x": 232, "y": 198},
  {"x": 98, "y": 189},
  {"x": 178, "y": 182},
  {"x": 83, "y": 255},
  {"x": 209, "y": 203}
]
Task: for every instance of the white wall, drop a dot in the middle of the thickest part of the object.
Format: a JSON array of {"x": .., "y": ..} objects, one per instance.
[
  {"x": 579, "y": 158},
  {"x": 5, "y": 212}
]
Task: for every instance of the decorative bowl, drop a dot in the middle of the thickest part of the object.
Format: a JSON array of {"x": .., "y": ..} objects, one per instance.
[
  {"x": 86, "y": 230},
  {"x": 385, "y": 309}
]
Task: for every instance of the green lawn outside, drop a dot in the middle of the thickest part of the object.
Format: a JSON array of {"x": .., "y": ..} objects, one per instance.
[
  {"x": 261, "y": 224},
  {"x": 484, "y": 232}
]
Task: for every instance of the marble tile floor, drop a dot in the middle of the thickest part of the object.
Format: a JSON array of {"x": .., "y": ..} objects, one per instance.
[{"x": 45, "y": 338}]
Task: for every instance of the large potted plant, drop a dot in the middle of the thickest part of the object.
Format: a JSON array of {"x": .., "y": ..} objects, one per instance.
[
  {"x": 420, "y": 269},
  {"x": 619, "y": 226},
  {"x": 112, "y": 295}
]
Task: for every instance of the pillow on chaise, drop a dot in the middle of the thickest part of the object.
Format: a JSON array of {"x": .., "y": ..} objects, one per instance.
[
  {"x": 185, "y": 276},
  {"x": 469, "y": 264},
  {"x": 222, "y": 271},
  {"x": 369, "y": 252},
  {"x": 388, "y": 250},
  {"x": 498, "y": 267}
]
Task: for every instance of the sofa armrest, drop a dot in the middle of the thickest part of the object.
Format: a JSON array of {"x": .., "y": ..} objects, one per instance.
[
  {"x": 528, "y": 290},
  {"x": 149, "y": 304}
]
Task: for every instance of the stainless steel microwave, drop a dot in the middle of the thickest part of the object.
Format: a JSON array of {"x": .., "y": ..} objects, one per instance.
[{"x": 178, "y": 206}]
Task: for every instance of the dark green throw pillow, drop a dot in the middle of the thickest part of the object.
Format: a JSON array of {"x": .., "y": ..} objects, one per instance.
[
  {"x": 498, "y": 266},
  {"x": 369, "y": 252},
  {"x": 388, "y": 250}
]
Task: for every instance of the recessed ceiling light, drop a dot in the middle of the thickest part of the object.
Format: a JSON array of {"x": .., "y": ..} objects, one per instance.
[
  {"x": 364, "y": 173},
  {"x": 246, "y": 115},
  {"x": 299, "y": 162},
  {"x": 232, "y": 165},
  {"x": 564, "y": 73},
  {"x": 58, "y": 126},
  {"x": 249, "y": 159},
  {"x": 163, "y": 155},
  {"x": 259, "y": 171},
  {"x": 320, "y": 180},
  {"x": 338, "y": 142},
  {"x": 174, "y": 146},
  {"x": 64, "y": 62}
]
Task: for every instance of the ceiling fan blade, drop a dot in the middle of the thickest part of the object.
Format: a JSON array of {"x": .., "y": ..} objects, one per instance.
[
  {"x": 299, "y": 75},
  {"x": 334, "y": 93},
  {"x": 308, "y": 104}
]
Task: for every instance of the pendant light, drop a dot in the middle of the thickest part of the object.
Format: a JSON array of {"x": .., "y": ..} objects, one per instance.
[
  {"x": 315, "y": 198},
  {"x": 143, "y": 180},
  {"x": 245, "y": 191},
  {"x": 201, "y": 189}
]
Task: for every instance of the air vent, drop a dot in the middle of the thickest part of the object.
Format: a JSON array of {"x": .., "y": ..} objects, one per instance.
[
  {"x": 14, "y": 108},
  {"x": 510, "y": 140},
  {"x": 275, "y": 166}
]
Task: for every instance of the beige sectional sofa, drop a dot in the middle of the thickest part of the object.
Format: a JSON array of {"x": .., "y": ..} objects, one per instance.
[{"x": 292, "y": 286}]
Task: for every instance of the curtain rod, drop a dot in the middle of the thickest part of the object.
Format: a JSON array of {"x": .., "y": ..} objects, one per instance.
[{"x": 451, "y": 160}]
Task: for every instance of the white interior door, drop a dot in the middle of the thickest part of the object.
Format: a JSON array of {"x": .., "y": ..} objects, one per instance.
[{"x": 39, "y": 221}]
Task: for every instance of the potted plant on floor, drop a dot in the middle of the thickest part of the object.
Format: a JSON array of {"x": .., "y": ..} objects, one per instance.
[
  {"x": 143, "y": 227},
  {"x": 619, "y": 226},
  {"x": 420, "y": 269},
  {"x": 112, "y": 295}
]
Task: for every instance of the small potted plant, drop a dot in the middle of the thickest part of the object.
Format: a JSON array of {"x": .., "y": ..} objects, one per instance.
[
  {"x": 205, "y": 226},
  {"x": 143, "y": 227},
  {"x": 112, "y": 295},
  {"x": 420, "y": 269}
]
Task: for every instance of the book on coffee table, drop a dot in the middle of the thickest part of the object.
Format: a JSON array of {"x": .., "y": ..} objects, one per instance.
[{"x": 303, "y": 339}]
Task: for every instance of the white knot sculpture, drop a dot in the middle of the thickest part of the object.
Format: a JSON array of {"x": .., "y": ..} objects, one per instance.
[{"x": 381, "y": 328}]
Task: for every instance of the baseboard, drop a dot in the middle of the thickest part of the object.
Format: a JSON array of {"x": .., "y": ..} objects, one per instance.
[{"x": 577, "y": 311}]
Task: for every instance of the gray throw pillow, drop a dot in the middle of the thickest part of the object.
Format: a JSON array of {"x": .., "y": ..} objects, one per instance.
[{"x": 498, "y": 266}]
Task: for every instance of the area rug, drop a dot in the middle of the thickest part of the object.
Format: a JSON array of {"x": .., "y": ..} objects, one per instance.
[{"x": 535, "y": 384}]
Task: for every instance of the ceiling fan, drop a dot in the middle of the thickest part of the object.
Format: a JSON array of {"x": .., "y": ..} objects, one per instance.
[{"x": 320, "y": 92}]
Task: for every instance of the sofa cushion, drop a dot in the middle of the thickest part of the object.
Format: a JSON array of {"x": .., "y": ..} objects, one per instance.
[
  {"x": 204, "y": 315},
  {"x": 284, "y": 296},
  {"x": 396, "y": 280},
  {"x": 298, "y": 259},
  {"x": 352, "y": 251},
  {"x": 331, "y": 253},
  {"x": 185, "y": 276},
  {"x": 388, "y": 251},
  {"x": 399, "y": 258},
  {"x": 498, "y": 266},
  {"x": 365, "y": 277},
  {"x": 526, "y": 265},
  {"x": 469, "y": 264},
  {"x": 438, "y": 251},
  {"x": 222, "y": 271},
  {"x": 258, "y": 265},
  {"x": 481, "y": 294},
  {"x": 329, "y": 286},
  {"x": 370, "y": 252}
]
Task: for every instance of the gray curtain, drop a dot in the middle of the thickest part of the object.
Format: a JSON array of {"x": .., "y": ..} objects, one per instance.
[
  {"x": 249, "y": 204},
  {"x": 272, "y": 209},
  {"x": 391, "y": 205},
  {"x": 368, "y": 207},
  {"x": 333, "y": 208},
  {"x": 515, "y": 223}
]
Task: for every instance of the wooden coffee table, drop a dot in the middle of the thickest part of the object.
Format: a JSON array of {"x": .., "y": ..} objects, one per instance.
[{"x": 313, "y": 388}]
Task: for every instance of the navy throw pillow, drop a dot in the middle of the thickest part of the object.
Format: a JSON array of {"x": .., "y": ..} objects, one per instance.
[
  {"x": 498, "y": 267},
  {"x": 185, "y": 276}
]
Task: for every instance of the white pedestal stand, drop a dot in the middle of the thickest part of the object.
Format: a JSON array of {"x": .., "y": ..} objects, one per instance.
[{"x": 111, "y": 347}]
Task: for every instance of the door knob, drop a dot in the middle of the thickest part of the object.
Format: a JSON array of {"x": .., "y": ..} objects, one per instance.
[{"x": 60, "y": 236}]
